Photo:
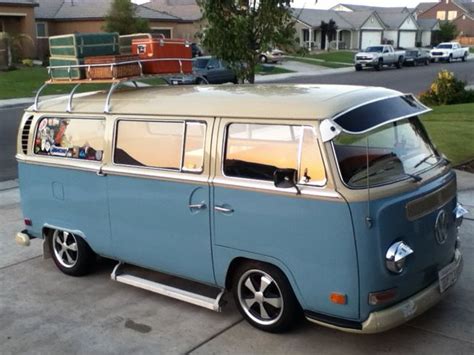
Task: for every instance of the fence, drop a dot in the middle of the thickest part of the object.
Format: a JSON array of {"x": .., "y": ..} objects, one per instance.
[{"x": 466, "y": 41}]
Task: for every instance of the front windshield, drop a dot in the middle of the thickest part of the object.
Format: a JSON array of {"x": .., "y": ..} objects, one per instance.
[
  {"x": 200, "y": 63},
  {"x": 376, "y": 49},
  {"x": 445, "y": 46},
  {"x": 395, "y": 151}
]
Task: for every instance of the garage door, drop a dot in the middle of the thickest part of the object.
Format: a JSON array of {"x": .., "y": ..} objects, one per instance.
[
  {"x": 407, "y": 39},
  {"x": 370, "y": 38}
]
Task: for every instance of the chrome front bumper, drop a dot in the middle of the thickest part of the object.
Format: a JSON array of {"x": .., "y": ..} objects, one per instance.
[{"x": 402, "y": 312}]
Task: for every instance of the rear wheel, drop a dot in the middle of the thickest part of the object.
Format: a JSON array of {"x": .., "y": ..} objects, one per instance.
[
  {"x": 399, "y": 63},
  {"x": 264, "y": 297},
  {"x": 379, "y": 65},
  {"x": 71, "y": 254}
]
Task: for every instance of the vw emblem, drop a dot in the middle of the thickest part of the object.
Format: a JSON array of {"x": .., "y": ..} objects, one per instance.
[{"x": 441, "y": 227}]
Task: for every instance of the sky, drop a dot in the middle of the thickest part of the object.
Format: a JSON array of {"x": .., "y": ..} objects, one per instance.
[{"x": 326, "y": 4}]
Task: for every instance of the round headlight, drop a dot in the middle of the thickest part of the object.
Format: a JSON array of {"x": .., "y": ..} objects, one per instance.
[{"x": 396, "y": 255}]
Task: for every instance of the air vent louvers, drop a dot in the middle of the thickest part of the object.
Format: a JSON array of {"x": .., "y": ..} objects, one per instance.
[{"x": 25, "y": 134}]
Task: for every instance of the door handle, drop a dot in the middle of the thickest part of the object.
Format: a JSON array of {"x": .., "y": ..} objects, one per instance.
[
  {"x": 197, "y": 206},
  {"x": 100, "y": 172},
  {"x": 223, "y": 209}
]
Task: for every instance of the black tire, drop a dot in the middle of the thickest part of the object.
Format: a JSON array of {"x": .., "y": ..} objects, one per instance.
[
  {"x": 263, "y": 313},
  {"x": 358, "y": 67},
  {"x": 450, "y": 58},
  {"x": 464, "y": 57},
  {"x": 379, "y": 65},
  {"x": 263, "y": 59},
  {"x": 427, "y": 62},
  {"x": 399, "y": 63},
  {"x": 201, "y": 81},
  {"x": 71, "y": 254}
]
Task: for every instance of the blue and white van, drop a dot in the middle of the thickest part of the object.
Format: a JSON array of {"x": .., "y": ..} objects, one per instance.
[{"x": 327, "y": 201}]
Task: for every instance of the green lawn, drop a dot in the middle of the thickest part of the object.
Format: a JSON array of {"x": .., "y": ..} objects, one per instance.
[
  {"x": 24, "y": 82},
  {"x": 471, "y": 49},
  {"x": 452, "y": 130},
  {"x": 270, "y": 69},
  {"x": 336, "y": 56}
]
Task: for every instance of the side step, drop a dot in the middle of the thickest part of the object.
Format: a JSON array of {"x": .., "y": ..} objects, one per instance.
[{"x": 213, "y": 304}]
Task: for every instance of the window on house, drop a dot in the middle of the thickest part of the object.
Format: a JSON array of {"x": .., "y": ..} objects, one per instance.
[
  {"x": 305, "y": 35},
  {"x": 452, "y": 15},
  {"x": 41, "y": 30},
  {"x": 161, "y": 145},
  {"x": 256, "y": 151},
  {"x": 441, "y": 15},
  {"x": 71, "y": 138}
]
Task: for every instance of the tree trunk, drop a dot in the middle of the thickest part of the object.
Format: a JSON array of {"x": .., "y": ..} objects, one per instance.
[{"x": 251, "y": 74}]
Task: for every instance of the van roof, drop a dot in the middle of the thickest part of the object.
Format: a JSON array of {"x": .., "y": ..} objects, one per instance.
[{"x": 241, "y": 101}]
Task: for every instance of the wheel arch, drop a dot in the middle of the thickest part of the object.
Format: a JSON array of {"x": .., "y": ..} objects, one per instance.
[
  {"x": 239, "y": 260},
  {"x": 47, "y": 233}
]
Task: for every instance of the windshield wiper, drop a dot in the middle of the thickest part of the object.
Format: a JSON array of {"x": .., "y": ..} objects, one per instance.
[
  {"x": 424, "y": 160},
  {"x": 416, "y": 178}
]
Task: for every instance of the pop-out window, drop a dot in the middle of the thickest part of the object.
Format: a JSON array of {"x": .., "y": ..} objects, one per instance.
[
  {"x": 163, "y": 145},
  {"x": 70, "y": 137},
  {"x": 255, "y": 151}
]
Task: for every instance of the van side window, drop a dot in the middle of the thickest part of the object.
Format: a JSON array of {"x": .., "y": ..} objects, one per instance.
[
  {"x": 255, "y": 151},
  {"x": 161, "y": 144},
  {"x": 70, "y": 137}
]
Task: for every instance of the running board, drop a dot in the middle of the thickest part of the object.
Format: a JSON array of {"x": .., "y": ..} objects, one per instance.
[{"x": 213, "y": 304}]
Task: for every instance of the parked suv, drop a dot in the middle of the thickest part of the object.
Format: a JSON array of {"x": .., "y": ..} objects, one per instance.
[{"x": 206, "y": 70}]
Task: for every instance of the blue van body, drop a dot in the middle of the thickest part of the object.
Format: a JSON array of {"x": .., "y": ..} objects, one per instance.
[{"x": 323, "y": 243}]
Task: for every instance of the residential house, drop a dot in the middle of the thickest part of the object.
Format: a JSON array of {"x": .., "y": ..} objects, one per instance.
[
  {"x": 461, "y": 12},
  {"x": 360, "y": 26},
  {"x": 17, "y": 17}
]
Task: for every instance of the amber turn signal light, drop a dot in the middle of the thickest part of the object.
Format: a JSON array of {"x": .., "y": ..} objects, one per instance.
[{"x": 338, "y": 298}]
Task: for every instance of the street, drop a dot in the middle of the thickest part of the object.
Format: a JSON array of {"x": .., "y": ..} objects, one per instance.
[{"x": 408, "y": 79}]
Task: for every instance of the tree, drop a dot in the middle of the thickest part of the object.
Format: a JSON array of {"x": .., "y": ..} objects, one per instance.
[
  {"x": 328, "y": 32},
  {"x": 447, "y": 31},
  {"x": 238, "y": 30},
  {"x": 122, "y": 18}
]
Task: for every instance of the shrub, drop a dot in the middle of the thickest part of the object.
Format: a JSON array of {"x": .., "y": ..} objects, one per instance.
[
  {"x": 27, "y": 62},
  {"x": 446, "y": 89}
]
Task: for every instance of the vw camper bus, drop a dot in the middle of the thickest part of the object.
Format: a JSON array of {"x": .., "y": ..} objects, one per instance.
[{"x": 327, "y": 201}]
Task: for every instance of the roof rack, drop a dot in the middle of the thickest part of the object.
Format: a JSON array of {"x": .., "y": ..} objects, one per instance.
[{"x": 114, "y": 82}]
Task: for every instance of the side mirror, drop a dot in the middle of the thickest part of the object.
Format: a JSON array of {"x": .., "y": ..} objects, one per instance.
[
  {"x": 286, "y": 178},
  {"x": 210, "y": 67}
]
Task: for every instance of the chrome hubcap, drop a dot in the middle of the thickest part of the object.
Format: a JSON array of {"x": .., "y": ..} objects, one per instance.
[
  {"x": 260, "y": 297},
  {"x": 65, "y": 248}
]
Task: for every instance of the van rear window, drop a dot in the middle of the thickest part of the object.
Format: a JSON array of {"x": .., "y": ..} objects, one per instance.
[{"x": 75, "y": 138}]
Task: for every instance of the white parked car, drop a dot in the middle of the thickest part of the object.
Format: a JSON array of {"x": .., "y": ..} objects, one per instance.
[
  {"x": 272, "y": 56},
  {"x": 449, "y": 51},
  {"x": 378, "y": 56}
]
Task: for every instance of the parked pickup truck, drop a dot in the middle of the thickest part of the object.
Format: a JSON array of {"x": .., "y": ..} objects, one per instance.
[
  {"x": 449, "y": 51},
  {"x": 378, "y": 56}
]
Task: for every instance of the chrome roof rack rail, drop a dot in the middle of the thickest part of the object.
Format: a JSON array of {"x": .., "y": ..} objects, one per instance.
[{"x": 114, "y": 82}]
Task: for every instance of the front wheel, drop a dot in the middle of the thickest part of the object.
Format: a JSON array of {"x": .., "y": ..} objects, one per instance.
[
  {"x": 264, "y": 297},
  {"x": 450, "y": 59},
  {"x": 71, "y": 254},
  {"x": 263, "y": 59},
  {"x": 399, "y": 63},
  {"x": 358, "y": 67},
  {"x": 378, "y": 66}
]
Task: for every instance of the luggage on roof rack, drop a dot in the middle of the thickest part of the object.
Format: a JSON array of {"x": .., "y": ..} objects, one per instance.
[
  {"x": 125, "y": 41},
  {"x": 130, "y": 67},
  {"x": 82, "y": 45}
]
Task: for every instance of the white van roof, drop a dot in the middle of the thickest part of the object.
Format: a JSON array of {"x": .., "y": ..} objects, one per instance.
[{"x": 239, "y": 101}]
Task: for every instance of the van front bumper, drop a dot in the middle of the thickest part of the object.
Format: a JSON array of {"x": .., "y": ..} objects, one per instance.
[{"x": 398, "y": 314}]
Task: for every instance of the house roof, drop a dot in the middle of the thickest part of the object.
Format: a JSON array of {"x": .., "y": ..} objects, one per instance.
[
  {"x": 313, "y": 17},
  {"x": 427, "y": 24},
  {"x": 19, "y": 2},
  {"x": 424, "y": 6},
  {"x": 393, "y": 20},
  {"x": 187, "y": 10},
  {"x": 379, "y": 9},
  {"x": 89, "y": 9},
  {"x": 358, "y": 18},
  {"x": 468, "y": 5}
]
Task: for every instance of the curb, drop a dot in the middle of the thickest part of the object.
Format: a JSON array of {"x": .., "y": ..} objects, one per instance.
[{"x": 8, "y": 185}]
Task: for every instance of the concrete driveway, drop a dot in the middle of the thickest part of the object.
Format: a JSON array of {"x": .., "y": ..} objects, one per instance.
[{"x": 44, "y": 311}]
